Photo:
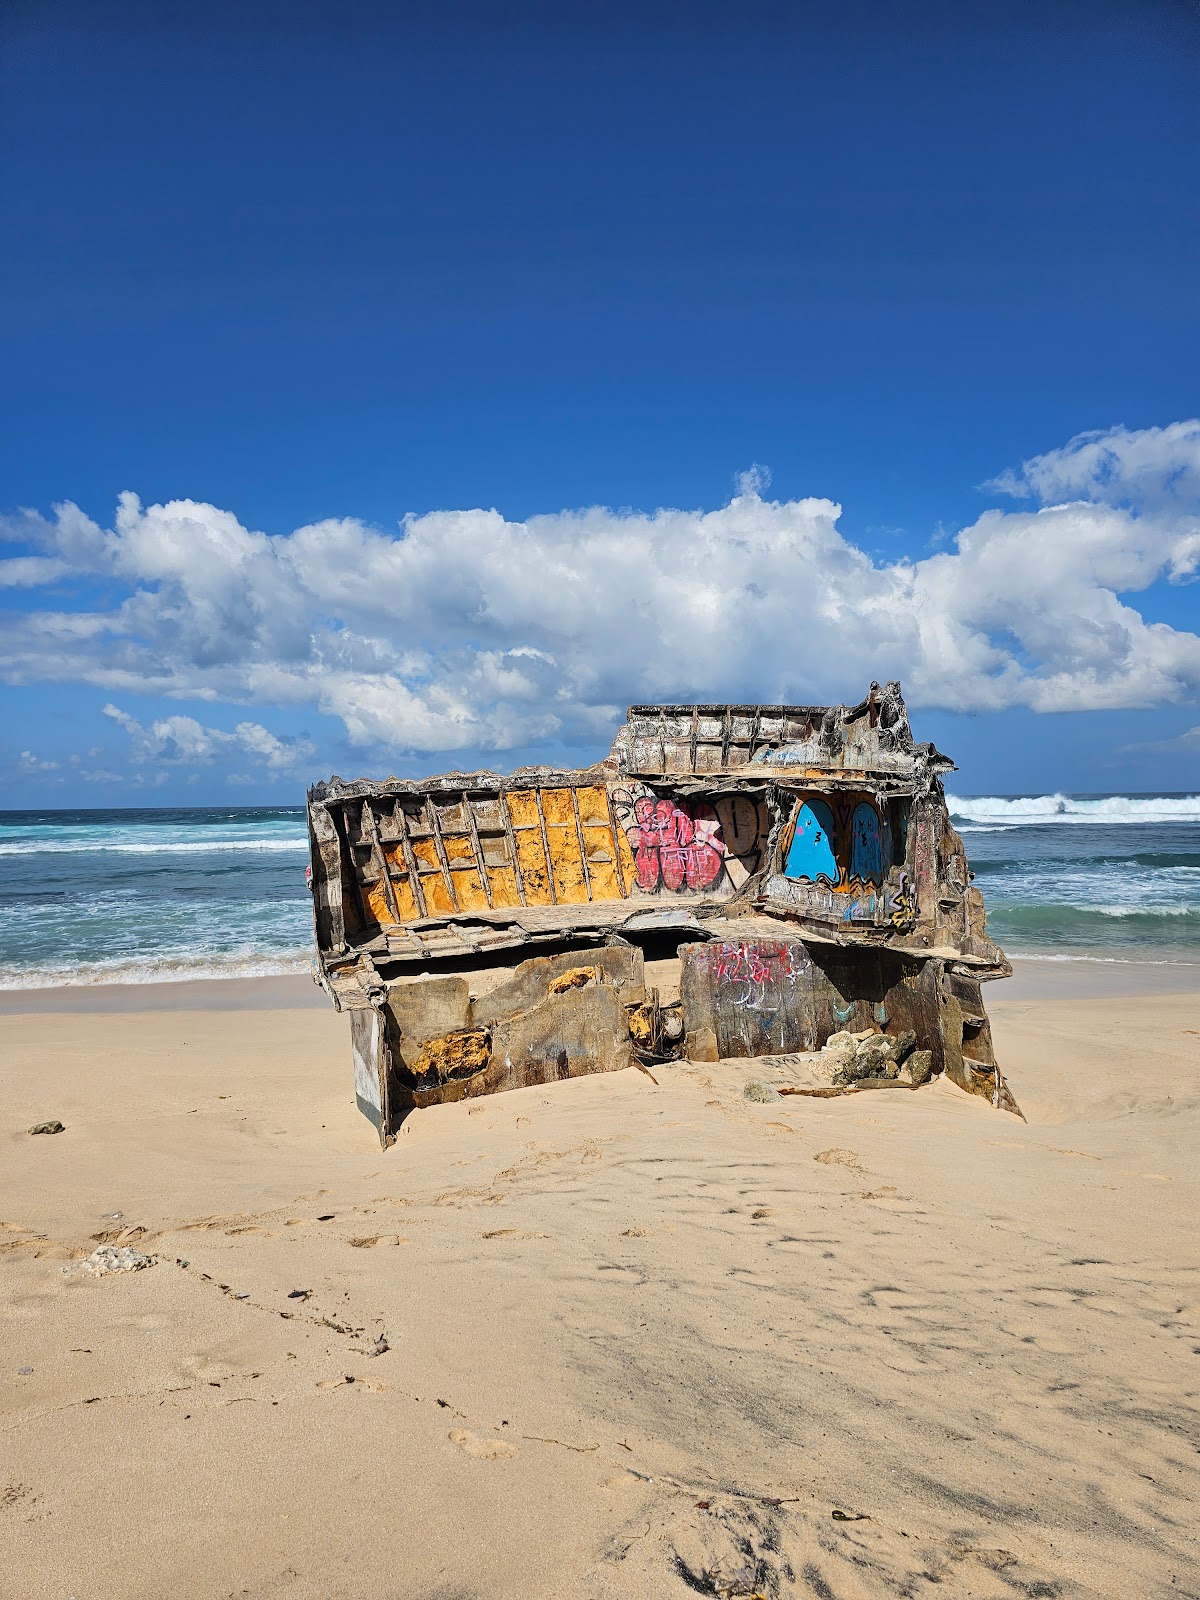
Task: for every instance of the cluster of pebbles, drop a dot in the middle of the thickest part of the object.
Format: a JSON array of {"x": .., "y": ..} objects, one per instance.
[{"x": 851, "y": 1057}]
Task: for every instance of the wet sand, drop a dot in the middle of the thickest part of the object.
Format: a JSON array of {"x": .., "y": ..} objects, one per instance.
[{"x": 642, "y": 1340}]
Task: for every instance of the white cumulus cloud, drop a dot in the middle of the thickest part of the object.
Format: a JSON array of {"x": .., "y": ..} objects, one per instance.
[{"x": 465, "y": 630}]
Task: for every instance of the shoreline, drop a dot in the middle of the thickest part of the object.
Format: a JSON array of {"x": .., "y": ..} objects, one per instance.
[{"x": 1034, "y": 978}]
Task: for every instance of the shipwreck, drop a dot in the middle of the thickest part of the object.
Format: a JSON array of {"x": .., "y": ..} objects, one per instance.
[{"x": 731, "y": 881}]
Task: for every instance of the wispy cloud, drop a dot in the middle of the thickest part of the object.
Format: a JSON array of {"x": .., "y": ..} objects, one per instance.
[
  {"x": 31, "y": 764},
  {"x": 182, "y": 741},
  {"x": 1183, "y": 744},
  {"x": 464, "y": 630}
]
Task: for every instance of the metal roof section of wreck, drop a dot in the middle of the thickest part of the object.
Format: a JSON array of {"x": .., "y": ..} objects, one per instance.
[{"x": 822, "y": 827}]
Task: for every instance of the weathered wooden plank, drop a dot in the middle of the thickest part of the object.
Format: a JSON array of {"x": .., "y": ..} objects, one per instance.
[
  {"x": 481, "y": 864},
  {"x": 583, "y": 854},
  {"x": 439, "y": 845}
]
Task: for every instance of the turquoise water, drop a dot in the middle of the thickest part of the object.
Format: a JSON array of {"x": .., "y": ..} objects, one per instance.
[
  {"x": 139, "y": 896},
  {"x": 1111, "y": 876}
]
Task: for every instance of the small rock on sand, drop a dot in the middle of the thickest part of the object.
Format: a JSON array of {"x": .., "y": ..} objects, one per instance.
[
  {"x": 919, "y": 1066},
  {"x": 116, "y": 1258},
  {"x": 53, "y": 1126},
  {"x": 760, "y": 1091}
]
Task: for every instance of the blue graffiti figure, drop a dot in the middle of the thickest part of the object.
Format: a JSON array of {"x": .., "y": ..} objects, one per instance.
[
  {"x": 866, "y": 844},
  {"x": 810, "y": 854}
]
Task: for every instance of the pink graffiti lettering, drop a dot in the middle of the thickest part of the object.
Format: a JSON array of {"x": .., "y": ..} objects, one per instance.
[
  {"x": 675, "y": 847},
  {"x": 757, "y": 964}
]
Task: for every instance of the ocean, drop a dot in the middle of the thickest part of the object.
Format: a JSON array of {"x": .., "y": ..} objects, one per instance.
[{"x": 138, "y": 896}]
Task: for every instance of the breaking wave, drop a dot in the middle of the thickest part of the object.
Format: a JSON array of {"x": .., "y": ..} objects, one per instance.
[
  {"x": 164, "y": 969},
  {"x": 1113, "y": 929},
  {"x": 146, "y": 896},
  {"x": 1023, "y": 811},
  {"x": 61, "y": 847}
]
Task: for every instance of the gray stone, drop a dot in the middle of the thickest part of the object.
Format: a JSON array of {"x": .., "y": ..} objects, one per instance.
[
  {"x": 760, "y": 1091},
  {"x": 838, "y": 1057},
  {"x": 701, "y": 1045},
  {"x": 47, "y": 1127},
  {"x": 903, "y": 1046},
  {"x": 872, "y": 1057},
  {"x": 919, "y": 1066},
  {"x": 840, "y": 1048}
]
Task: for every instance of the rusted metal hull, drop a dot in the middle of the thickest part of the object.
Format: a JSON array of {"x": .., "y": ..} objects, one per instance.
[{"x": 822, "y": 831}]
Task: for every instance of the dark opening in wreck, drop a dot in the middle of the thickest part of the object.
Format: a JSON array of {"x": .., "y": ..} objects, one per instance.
[{"x": 797, "y": 863}]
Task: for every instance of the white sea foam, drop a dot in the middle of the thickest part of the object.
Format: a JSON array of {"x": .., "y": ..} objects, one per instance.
[
  {"x": 169, "y": 969},
  {"x": 57, "y": 847},
  {"x": 997, "y": 811}
]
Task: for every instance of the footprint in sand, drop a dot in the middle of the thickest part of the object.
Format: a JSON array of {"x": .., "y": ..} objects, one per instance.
[
  {"x": 839, "y": 1158},
  {"x": 481, "y": 1449}
]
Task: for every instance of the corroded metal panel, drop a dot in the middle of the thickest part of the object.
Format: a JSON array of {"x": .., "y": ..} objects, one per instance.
[{"x": 825, "y": 826}]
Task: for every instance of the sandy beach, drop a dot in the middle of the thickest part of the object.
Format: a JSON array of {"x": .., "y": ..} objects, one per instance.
[{"x": 641, "y": 1339}]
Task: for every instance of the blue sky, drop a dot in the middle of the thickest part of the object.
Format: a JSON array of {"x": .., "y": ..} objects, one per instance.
[{"x": 292, "y": 274}]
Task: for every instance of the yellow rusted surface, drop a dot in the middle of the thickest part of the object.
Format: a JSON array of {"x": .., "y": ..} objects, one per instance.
[
  {"x": 600, "y": 846},
  {"x": 574, "y": 978},
  {"x": 406, "y": 900},
  {"x": 562, "y": 840},
  {"x": 468, "y": 888},
  {"x": 438, "y": 900},
  {"x": 504, "y": 886},
  {"x": 454, "y": 1055},
  {"x": 547, "y": 826},
  {"x": 643, "y": 1025},
  {"x": 602, "y": 867},
  {"x": 527, "y": 828},
  {"x": 376, "y": 906},
  {"x": 570, "y": 883},
  {"x": 557, "y": 808}
]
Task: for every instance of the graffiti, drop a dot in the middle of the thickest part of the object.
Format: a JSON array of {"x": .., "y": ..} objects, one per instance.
[
  {"x": 757, "y": 977},
  {"x": 745, "y": 827},
  {"x": 844, "y": 843},
  {"x": 758, "y": 963},
  {"x": 676, "y": 844},
  {"x": 756, "y": 982},
  {"x": 810, "y": 853},
  {"x": 866, "y": 844},
  {"x": 901, "y": 902},
  {"x": 863, "y": 908}
]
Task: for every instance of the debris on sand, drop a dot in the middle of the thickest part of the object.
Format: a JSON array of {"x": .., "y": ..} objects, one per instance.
[{"x": 116, "y": 1258}]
